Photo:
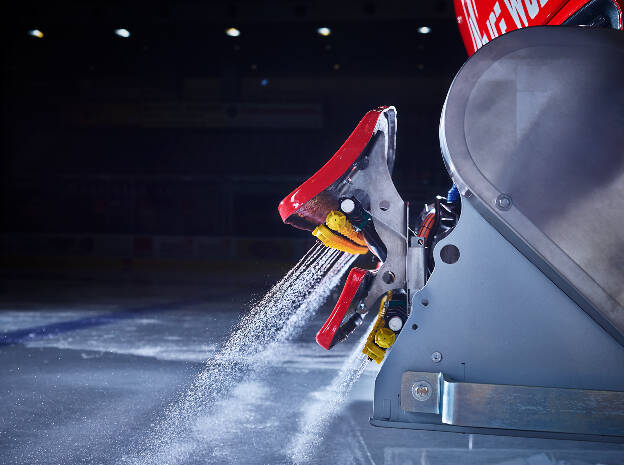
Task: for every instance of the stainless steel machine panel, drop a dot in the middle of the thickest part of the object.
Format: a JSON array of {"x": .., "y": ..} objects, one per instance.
[{"x": 533, "y": 134}]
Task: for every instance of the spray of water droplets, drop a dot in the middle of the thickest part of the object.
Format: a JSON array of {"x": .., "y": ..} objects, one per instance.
[
  {"x": 278, "y": 317},
  {"x": 323, "y": 406}
]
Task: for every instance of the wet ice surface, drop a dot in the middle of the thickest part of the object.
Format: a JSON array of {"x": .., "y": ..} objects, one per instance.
[{"x": 96, "y": 394}]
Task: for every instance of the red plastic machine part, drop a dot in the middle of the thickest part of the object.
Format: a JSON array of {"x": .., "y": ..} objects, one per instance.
[
  {"x": 480, "y": 21},
  {"x": 334, "y": 168},
  {"x": 326, "y": 334}
]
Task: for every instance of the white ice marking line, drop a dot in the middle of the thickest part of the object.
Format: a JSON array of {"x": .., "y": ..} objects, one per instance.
[{"x": 361, "y": 439}]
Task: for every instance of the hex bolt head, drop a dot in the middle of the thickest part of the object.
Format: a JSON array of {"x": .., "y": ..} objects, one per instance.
[
  {"x": 436, "y": 357},
  {"x": 421, "y": 390},
  {"x": 503, "y": 202}
]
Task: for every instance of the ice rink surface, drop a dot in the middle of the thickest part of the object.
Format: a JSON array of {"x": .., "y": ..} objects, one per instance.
[{"x": 98, "y": 370}]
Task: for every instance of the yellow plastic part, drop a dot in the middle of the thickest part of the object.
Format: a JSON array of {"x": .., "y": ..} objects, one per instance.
[
  {"x": 338, "y": 222},
  {"x": 333, "y": 240},
  {"x": 374, "y": 352},
  {"x": 384, "y": 337},
  {"x": 372, "y": 349}
]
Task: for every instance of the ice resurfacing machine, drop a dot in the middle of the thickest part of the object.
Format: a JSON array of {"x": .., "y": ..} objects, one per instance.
[{"x": 499, "y": 307}]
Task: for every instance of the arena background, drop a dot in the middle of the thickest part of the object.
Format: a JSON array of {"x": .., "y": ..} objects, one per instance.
[{"x": 173, "y": 146}]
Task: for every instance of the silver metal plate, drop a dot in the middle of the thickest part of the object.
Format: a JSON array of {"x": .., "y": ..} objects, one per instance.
[
  {"x": 532, "y": 128},
  {"x": 494, "y": 318},
  {"x": 524, "y": 408},
  {"x": 420, "y": 392},
  {"x": 387, "y": 208},
  {"x": 533, "y": 408}
]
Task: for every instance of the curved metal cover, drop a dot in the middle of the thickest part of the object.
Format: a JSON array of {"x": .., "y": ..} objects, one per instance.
[{"x": 536, "y": 117}]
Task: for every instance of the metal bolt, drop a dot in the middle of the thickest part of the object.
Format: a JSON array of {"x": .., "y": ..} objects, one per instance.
[
  {"x": 347, "y": 205},
  {"x": 503, "y": 202},
  {"x": 395, "y": 323},
  {"x": 421, "y": 390},
  {"x": 388, "y": 277},
  {"x": 384, "y": 205},
  {"x": 436, "y": 357}
]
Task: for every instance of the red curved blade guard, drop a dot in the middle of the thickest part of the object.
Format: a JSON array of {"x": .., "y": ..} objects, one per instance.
[
  {"x": 325, "y": 336},
  {"x": 308, "y": 205}
]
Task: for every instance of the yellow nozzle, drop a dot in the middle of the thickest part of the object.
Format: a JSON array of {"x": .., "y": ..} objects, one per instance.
[
  {"x": 333, "y": 240},
  {"x": 384, "y": 337},
  {"x": 338, "y": 222},
  {"x": 374, "y": 352},
  {"x": 379, "y": 339}
]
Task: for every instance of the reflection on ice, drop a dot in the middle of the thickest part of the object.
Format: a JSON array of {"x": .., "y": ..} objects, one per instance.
[{"x": 323, "y": 406}]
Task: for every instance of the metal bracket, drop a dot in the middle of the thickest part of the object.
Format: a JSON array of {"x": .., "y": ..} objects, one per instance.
[
  {"x": 420, "y": 392},
  {"x": 389, "y": 214},
  {"x": 532, "y": 408}
]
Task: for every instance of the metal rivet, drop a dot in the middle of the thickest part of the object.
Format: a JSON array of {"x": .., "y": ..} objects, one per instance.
[
  {"x": 436, "y": 357},
  {"x": 424, "y": 302},
  {"x": 395, "y": 323},
  {"x": 384, "y": 205},
  {"x": 421, "y": 390},
  {"x": 503, "y": 202},
  {"x": 388, "y": 277},
  {"x": 347, "y": 205}
]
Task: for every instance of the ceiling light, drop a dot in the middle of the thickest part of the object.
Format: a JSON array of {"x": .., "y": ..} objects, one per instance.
[
  {"x": 424, "y": 29},
  {"x": 125, "y": 33},
  {"x": 323, "y": 31},
  {"x": 36, "y": 33},
  {"x": 232, "y": 32}
]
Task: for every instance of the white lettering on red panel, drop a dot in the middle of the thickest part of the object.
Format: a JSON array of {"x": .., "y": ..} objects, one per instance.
[{"x": 495, "y": 23}]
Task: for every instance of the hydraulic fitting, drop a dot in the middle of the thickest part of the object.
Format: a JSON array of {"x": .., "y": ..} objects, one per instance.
[
  {"x": 337, "y": 221},
  {"x": 390, "y": 321},
  {"x": 384, "y": 337},
  {"x": 361, "y": 221},
  {"x": 336, "y": 241}
]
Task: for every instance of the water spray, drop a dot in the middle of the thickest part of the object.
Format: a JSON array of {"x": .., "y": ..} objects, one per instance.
[{"x": 254, "y": 343}]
